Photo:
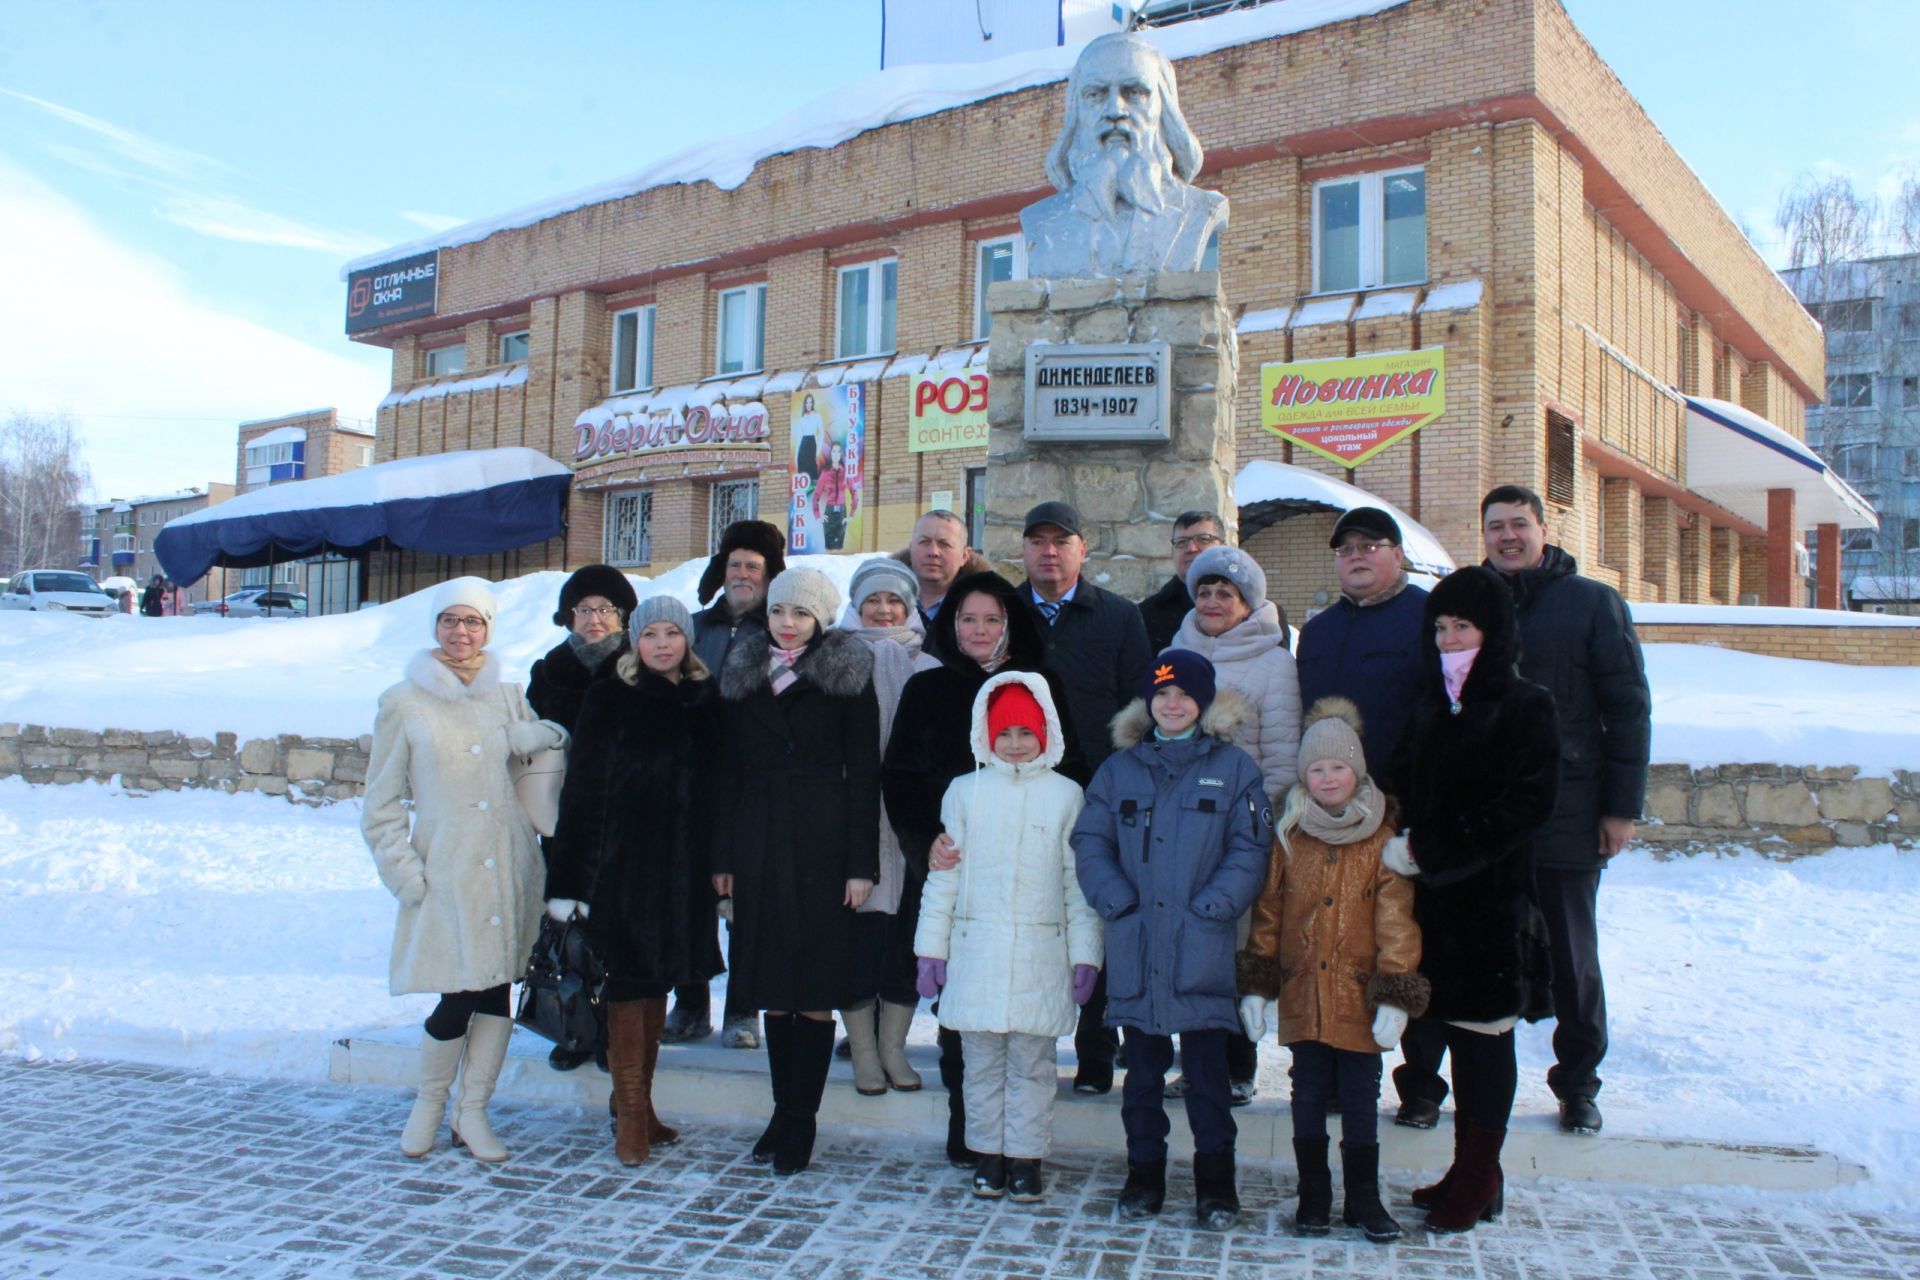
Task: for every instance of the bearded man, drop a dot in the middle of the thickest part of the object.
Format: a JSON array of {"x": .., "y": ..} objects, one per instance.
[{"x": 1123, "y": 164}]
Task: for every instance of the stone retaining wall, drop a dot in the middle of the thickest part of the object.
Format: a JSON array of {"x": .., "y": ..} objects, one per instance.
[
  {"x": 308, "y": 770},
  {"x": 1779, "y": 809}
]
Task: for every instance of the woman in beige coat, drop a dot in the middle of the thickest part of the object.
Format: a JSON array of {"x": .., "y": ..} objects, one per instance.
[{"x": 466, "y": 869}]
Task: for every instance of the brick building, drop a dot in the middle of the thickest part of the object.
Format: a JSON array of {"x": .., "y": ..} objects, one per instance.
[
  {"x": 1465, "y": 175},
  {"x": 116, "y": 537},
  {"x": 304, "y": 446}
]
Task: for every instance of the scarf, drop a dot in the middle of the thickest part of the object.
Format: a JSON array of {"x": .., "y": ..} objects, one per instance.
[
  {"x": 1161, "y": 735},
  {"x": 465, "y": 670},
  {"x": 1360, "y": 819},
  {"x": 591, "y": 655},
  {"x": 1454, "y": 668},
  {"x": 998, "y": 658},
  {"x": 780, "y": 666}
]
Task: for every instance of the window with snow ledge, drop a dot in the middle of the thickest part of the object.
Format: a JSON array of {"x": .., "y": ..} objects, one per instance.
[
  {"x": 742, "y": 328},
  {"x": 444, "y": 360},
  {"x": 868, "y": 301},
  {"x": 633, "y": 349},
  {"x": 514, "y": 346},
  {"x": 1370, "y": 230},
  {"x": 1002, "y": 258}
]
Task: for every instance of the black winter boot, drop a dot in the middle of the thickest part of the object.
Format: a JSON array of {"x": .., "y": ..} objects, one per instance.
[
  {"x": 1315, "y": 1214},
  {"x": 1360, "y": 1170},
  {"x": 1146, "y": 1189},
  {"x": 812, "y": 1060},
  {"x": 1216, "y": 1202},
  {"x": 953, "y": 1076},
  {"x": 779, "y": 1063}
]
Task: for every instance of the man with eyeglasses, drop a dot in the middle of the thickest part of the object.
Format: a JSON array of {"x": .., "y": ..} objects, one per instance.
[{"x": 1167, "y": 608}]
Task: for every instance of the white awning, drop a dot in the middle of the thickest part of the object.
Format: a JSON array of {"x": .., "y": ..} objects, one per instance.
[
  {"x": 1297, "y": 487},
  {"x": 1734, "y": 456}
]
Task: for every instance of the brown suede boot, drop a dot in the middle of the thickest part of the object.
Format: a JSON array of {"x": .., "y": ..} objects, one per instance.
[
  {"x": 658, "y": 1134},
  {"x": 627, "y": 1027}
]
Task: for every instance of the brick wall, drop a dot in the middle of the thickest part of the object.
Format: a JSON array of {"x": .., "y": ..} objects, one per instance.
[{"x": 1858, "y": 646}]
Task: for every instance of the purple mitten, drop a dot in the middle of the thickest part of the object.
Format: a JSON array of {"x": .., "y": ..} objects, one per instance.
[
  {"x": 1084, "y": 976},
  {"x": 931, "y": 975}
]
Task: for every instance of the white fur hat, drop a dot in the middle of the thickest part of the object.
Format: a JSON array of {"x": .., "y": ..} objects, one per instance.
[{"x": 472, "y": 592}]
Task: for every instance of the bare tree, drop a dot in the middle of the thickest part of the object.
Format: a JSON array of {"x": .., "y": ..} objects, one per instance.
[
  {"x": 41, "y": 480},
  {"x": 1826, "y": 221}
]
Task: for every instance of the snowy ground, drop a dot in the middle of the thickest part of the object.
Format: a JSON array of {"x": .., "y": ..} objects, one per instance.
[{"x": 1751, "y": 1000}]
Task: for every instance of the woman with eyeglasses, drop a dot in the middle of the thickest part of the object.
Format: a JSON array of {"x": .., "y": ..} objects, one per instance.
[
  {"x": 595, "y": 604},
  {"x": 464, "y": 865}
]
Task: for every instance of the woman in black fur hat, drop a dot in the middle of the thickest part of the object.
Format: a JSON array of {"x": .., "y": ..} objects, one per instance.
[{"x": 1476, "y": 774}]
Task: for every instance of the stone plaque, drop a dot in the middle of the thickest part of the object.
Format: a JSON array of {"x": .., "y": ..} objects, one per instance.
[{"x": 1098, "y": 391}]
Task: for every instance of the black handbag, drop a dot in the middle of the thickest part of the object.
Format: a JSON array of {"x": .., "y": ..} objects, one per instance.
[{"x": 560, "y": 996}]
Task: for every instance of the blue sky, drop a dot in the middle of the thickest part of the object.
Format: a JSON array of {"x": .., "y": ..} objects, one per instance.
[{"x": 180, "y": 180}]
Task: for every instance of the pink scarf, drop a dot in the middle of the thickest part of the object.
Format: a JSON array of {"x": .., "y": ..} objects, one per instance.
[
  {"x": 1454, "y": 668},
  {"x": 780, "y": 664}
]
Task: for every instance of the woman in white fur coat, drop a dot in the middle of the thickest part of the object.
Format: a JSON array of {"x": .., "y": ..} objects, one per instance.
[{"x": 466, "y": 868}]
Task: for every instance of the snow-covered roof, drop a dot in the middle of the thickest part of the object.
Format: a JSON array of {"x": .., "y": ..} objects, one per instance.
[
  {"x": 355, "y": 426},
  {"x": 177, "y": 495},
  {"x": 1264, "y": 481},
  {"x": 279, "y": 435},
  {"x": 887, "y": 97},
  {"x": 1461, "y": 295},
  {"x": 431, "y": 476},
  {"x": 513, "y": 377}
]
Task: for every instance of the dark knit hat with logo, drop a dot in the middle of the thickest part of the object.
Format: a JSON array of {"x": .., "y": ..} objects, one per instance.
[
  {"x": 596, "y": 580},
  {"x": 744, "y": 535},
  {"x": 1191, "y": 671}
]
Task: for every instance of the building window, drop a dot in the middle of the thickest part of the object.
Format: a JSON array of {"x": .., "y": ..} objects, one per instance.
[
  {"x": 1849, "y": 391},
  {"x": 1857, "y": 461},
  {"x": 1909, "y": 393},
  {"x": 742, "y": 332},
  {"x": 633, "y": 349},
  {"x": 629, "y": 527},
  {"x": 731, "y": 500},
  {"x": 1910, "y": 464},
  {"x": 1370, "y": 230},
  {"x": 995, "y": 260},
  {"x": 976, "y": 507},
  {"x": 1562, "y": 458},
  {"x": 366, "y": 455},
  {"x": 1856, "y": 539},
  {"x": 1853, "y": 315},
  {"x": 867, "y": 305},
  {"x": 444, "y": 360},
  {"x": 513, "y": 346}
]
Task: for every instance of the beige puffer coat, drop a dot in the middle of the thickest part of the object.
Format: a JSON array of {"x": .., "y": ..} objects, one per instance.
[{"x": 465, "y": 866}]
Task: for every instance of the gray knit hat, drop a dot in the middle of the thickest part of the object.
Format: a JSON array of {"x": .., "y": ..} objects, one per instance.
[
  {"x": 883, "y": 573},
  {"x": 807, "y": 589},
  {"x": 1237, "y": 567},
  {"x": 659, "y": 609},
  {"x": 1332, "y": 732}
]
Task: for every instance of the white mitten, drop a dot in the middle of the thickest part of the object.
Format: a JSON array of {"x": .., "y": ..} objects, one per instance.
[
  {"x": 524, "y": 737},
  {"x": 1398, "y": 857},
  {"x": 1253, "y": 1016},
  {"x": 1388, "y": 1024},
  {"x": 564, "y": 909}
]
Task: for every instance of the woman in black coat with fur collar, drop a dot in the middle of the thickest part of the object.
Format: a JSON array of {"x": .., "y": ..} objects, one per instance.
[
  {"x": 1476, "y": 773},
  {"x": 798, "y": 844}
]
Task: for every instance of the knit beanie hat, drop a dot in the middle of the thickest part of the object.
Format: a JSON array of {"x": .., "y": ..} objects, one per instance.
[
  {"x": 1014, "y": 705},
  {"x": 743, "y": 535},
  {"x": 807, "y": 589},
  {"x": 594, "y": 580},
  {"x": 659, "y": 609},
  {"x": 1332, "y": 732},
  {"x": 883, "y": 573},
  {"x": 1237, "y": 567},
  {"x": 1191, "y": 671},
  {"x": 472, "y": 592}
]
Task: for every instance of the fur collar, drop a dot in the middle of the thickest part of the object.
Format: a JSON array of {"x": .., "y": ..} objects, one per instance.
[
  {"x": 1228, "y": 712},
  {"x": 836, "y": 663},
  {"x": 431, "y": 675}
]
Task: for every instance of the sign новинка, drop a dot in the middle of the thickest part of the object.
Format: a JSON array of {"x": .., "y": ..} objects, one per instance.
[
  {"x": 393, "y": 291},
  {"x": 949, "y": 411},
  {"x": 1349, "y": 410}
]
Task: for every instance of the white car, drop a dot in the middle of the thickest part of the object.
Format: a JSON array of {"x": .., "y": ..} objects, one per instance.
[
  {"x": 57, "y": 591},
  {"x": 255, "y": 602}
]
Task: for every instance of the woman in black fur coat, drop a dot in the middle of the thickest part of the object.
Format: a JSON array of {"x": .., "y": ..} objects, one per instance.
[
  {"x": 798, "y": 844},
  {"x": 630, "y": 853},
  {"x": 1476, "y": 774}
]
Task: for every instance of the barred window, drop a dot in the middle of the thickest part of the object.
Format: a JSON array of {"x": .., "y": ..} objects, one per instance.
[
  {"x": 731, "y": 500},
  {"x": 629, "y": 527}
]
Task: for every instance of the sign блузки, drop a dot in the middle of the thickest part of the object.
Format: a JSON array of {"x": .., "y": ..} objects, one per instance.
[
  {"x": 1098, "y": 391},
  {"x": 393, "y": 291},
  {"x": 1349, "y": 410},
  {"x": 601, "y": 436}
]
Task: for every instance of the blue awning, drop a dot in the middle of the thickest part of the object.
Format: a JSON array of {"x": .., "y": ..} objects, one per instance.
[{"x": 469, "y": 503}]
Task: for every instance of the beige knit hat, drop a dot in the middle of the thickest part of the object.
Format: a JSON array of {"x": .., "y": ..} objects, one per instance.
[
  {"x": 1332, "y": 733},
  {"x": 807, "y": 589}
]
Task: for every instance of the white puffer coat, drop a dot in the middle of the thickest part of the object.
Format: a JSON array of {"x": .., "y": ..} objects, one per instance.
[
  {"x": 1251, "y": 660},
  {"x": 1010, "y": 920},
  {"x": 466, "y": 868}
]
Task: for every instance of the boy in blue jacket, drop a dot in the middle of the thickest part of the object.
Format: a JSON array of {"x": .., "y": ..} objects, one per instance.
[{"x": 1171, "y": 850}]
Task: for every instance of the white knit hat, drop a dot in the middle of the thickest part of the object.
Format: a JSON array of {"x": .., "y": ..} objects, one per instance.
[
  {"x": 659, "y": 609},
  {"x": 1237, "y": 567},
  {"x": 807, "y": 589},
  {"x": 883, "y": 573},
  {"x": 472, "y": 592}
]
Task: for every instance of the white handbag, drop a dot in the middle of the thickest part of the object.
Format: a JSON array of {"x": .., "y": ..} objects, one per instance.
[{"x": 537, "y": 779}]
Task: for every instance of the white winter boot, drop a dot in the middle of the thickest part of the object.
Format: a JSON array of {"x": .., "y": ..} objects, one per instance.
[
  {"x": 868, "y": 1078},
  {"x": 487, "y": 1037},
  {"x": 895, "y": 1019},
  {"x": 439, "y": 1062}
]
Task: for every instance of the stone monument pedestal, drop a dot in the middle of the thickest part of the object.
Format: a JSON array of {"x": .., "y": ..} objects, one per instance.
[{"x": 1127, "y": 492}]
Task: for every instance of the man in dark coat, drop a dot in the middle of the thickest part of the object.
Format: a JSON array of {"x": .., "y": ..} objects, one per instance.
[
  {"x": 1366, "y": 646},
  {"x": 1578, "y": 641},
  {"x": 1097, "y": 645},
  {"x": 1167, "y": 608},
  {"x": 752, "y": 554}
]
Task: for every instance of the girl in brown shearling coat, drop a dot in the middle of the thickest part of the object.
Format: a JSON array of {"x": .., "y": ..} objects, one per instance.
[{"x": 1334, "y": 945}]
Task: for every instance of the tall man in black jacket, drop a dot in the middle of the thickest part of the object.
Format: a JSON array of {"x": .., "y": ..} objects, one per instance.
[{"x": 1097, "y": 646}]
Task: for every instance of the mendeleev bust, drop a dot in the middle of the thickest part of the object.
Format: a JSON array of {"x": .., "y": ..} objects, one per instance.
[{"x": 1123, "y": 164}]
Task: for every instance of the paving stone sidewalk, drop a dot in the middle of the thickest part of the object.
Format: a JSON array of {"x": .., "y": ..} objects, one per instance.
[{"x": 118, "y": 1170}]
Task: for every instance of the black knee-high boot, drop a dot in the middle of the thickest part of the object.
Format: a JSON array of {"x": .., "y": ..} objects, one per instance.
[
  {"x": 779, "y": 1064},
  {"x": 812, "y": 1058}
]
